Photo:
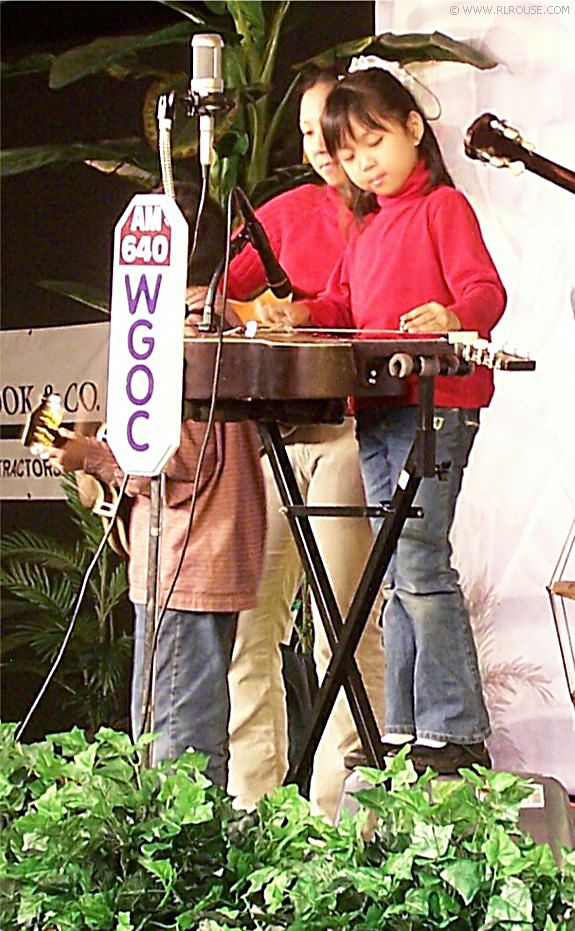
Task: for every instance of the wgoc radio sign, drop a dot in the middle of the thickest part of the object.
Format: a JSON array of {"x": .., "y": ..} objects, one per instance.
[{"x": 145, "y": 375}]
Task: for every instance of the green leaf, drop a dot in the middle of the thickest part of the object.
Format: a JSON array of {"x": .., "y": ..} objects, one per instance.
[
  {"x": 249, "y": 19},
  {"x": 407, "y": 48},
  {"x": 513, "y": 904},
  {"x": 25, "y": 546},
  {"x": 32, "y": 64},
  {"x": 84, "y": 294},
  {"x": 274, "y": 891},
  {"x": 112, "y": 53},
  {"x": 163, "y": 869},
  {"x": 501, "y": 853},
  {"x": 431, "y": 841},
  {"x": 466, "y": 877},
  {"x": 216, "y": 6},
  {"x": 95, "y": 909},
  {"x": 123, "y": 922},
  {"x": 18, "y": 161},
  {"x": 232, "y": 143}
]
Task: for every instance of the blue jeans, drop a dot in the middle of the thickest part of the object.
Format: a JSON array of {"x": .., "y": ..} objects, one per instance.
[
  {"x": 432, "y": 683},
  {"x": 191, "y": 706}
]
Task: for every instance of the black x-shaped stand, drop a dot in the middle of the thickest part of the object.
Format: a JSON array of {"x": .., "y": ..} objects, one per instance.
[{"x": 344, "y": 637}]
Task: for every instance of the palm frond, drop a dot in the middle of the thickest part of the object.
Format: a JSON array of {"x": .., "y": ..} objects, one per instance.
[
  {"x": 39, "y": 549},
  {"x": 43, "y": 633},
  {"x": 34, "y": 585}
]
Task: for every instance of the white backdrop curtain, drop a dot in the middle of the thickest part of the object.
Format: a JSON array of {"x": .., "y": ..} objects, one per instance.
[{"x": 518, "y": 499}]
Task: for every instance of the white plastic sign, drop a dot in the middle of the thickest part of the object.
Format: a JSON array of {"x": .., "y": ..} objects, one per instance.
[{"x": 145, "y": 375}]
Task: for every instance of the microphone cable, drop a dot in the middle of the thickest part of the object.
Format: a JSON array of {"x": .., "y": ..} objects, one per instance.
[{"x": 79, "y": 598}]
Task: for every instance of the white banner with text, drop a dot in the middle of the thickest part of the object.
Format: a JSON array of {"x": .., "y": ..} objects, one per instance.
[{"x": 71, "y": 361}]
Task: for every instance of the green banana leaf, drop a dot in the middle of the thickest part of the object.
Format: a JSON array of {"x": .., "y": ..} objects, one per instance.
[
  {"x": 32, "y": 64},
  {"x": 83, "y": 293},
  {"x": 405, "y": 49},
  {"x": 122, "y": 151},
  {"x": 249, "y": 136}
]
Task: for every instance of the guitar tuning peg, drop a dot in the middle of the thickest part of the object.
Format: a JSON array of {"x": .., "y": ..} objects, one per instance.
[
  {"x": 516, "y": 168},
  {"x": 497, "y": 161}
]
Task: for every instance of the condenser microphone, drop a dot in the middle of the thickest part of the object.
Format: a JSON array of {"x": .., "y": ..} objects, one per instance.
[
  {"x": 206, "y": 88},
  {"x": 278, "y": 282}
]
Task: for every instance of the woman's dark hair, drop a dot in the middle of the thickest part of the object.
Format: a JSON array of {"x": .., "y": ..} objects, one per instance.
[
  {"x": 311, "y": 75},
  {"x": 361, "y": 202},
  {"x": 211, "y": 239},
  {"x": 370, "y": 97}
]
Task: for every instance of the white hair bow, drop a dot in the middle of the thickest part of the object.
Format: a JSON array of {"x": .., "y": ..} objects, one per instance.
[{"x": 425, "y": 98}]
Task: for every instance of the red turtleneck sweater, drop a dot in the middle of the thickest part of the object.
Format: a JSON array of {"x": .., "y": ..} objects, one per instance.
[
  {"x": 308, "y": 229},
  {"x": 421, "y": 246}
]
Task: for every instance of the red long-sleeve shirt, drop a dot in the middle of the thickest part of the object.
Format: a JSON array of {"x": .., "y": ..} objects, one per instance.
[
  {"x": 308, "y": 229},
  {"x": 421, "y": 246}
]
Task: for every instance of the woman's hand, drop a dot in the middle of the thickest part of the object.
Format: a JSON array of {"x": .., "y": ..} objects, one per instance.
[
  {"x": 428, "y": 318},
  {"x": 281, "y": 312}
]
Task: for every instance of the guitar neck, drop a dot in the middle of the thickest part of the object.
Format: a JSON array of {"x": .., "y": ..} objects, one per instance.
[{"x": 549, "y": 170}]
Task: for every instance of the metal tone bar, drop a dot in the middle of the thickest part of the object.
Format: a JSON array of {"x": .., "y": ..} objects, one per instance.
[{"x": 359, "y": 703}]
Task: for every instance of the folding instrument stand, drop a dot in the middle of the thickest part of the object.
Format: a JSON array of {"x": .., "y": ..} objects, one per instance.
[{"x": 344, "y": 637}]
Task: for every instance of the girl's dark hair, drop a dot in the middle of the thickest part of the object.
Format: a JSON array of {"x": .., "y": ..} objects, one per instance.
[
  {"x": 371, "y": 97},
  {"x": 361, "y": 202}
]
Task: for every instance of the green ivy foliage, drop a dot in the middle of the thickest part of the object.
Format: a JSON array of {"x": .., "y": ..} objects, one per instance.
[{"x": 92, "y": 840}]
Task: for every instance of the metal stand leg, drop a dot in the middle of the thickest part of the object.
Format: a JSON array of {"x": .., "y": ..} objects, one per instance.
[
  {"x": 344, "y": 638},
  {"x": 360, "y": 706}
]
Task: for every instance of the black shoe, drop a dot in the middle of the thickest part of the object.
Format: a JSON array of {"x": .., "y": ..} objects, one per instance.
[
  {"x": 449, "y": 759},
  {"x": 358, "y": 757}
]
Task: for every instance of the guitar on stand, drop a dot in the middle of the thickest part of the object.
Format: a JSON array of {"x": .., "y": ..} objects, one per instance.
[{"x": 492, "y": 140}]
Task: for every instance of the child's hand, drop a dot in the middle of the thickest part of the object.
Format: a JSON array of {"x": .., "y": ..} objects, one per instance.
[
  {"x": 428, "y": 318},
  {"x": 71, "y": 456}
]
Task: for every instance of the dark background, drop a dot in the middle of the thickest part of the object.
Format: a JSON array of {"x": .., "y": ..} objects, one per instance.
[{"x": 58, "y": 222}]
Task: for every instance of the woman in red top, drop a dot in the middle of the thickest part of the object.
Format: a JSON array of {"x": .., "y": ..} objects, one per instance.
[
  {"x": 421, "y": 266},
  {"x": 308, "y": 228}
]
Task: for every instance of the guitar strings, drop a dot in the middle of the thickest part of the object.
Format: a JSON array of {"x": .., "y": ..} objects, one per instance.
[{"x": 79, "y": 598}]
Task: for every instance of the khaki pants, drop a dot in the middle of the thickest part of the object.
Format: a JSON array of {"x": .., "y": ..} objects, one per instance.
[{"x": 326, "y": 465}]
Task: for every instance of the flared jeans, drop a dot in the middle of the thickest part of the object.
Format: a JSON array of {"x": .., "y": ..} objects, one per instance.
[{"x": 432, "y": 682}]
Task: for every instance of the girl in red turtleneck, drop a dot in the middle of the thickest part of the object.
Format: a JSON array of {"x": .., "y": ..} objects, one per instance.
[{"x": 422, "y": 266}]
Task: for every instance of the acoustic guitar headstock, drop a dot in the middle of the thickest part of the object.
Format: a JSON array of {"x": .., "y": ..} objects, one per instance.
[
  {"x": 490, "y": 139},
  {"x": 42, "y": 428}
]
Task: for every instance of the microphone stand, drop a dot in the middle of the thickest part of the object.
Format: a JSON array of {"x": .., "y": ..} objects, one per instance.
[{"x": 157, "y": 485}]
